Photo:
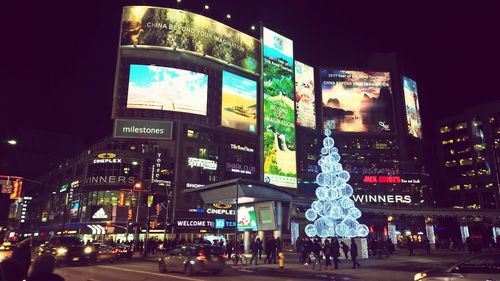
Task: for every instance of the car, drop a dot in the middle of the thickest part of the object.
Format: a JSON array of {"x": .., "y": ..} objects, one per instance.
[
  {"x": 104, "y": 252},
  {"x": 6, "y": 250},
  {"x": 67, "y": 249},
  {"x": 485, "y": 266},
  {"x": 123, "y": 251},
  {"x": 193, "y": 259}
]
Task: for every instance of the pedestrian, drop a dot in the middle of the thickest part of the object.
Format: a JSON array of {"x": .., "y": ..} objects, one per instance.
[
  {"x": 278, "y": 248},
  {"x": 16, "y": 267},
  {"x": 254, "y": 247},
  {"x": 410, "y": 245},
  {"x": 427, "y": 246},
  {"x": 308, "y": 249},
  {"x": 299, "y": 244},
  {"x": 354, "y": 254},
  {"x": 345, "y": 249},
  {"x": 43, "y": 269},
  {"x": 261, "y": 249},
  {"x": 317, "y": 254},
  {"x": 327, "y": 253},
  {"x": 229, "y": 249},
  {"x": 335, "y": 252}
]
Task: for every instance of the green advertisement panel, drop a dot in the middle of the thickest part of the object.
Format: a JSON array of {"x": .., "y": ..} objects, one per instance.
[
  {"x": 173, "y": 29},
  {"x": 246, "y": 218},
  {"x": 280, "y": 166}
]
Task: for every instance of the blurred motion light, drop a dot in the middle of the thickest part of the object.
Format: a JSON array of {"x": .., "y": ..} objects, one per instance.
[{"x": 12, "y": 142}]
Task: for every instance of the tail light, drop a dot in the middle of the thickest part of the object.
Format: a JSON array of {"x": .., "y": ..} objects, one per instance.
[{"x": 201, "y": 256}]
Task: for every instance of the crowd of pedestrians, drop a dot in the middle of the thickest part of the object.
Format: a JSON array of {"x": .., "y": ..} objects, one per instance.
[{"x": 329, "y": 250}]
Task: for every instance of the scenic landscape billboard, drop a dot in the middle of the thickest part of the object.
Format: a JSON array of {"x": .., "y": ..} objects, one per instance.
[
  {"x": 164, "y": 88},
  {"x": 173, "y": 29},
  {"x": 280, "y": 166},
  {"x": 304, "y": 95},
  {"x": 412, "y": 108},
  {"x": 357, "y": 101},
  {"x": 239, "y": 102}
]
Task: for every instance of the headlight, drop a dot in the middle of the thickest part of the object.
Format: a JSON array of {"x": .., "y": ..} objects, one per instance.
[
  {"x": 87, "y": 250},
  {"x": 420, "y": 276},
  {"x": 61, "y": 251}
]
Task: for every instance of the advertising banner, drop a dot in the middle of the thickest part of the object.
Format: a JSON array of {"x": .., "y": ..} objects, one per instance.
[
  {"x": 239, "y": 102},
  {"x": 165, "y": 88},
  {"x": 280, "y": 166},
  {"x": 357, "y": 101},
  {"x": 180, "y": 30},
  {"x": 143, "y": 129},
  {"x": 265, "y": 216},
  {"x": 412, "y": 108},
  {"x": 304, "y": 95},
  {"x": 246, "y": 218}
]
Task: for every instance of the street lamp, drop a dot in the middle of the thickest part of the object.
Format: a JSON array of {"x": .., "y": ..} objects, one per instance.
[
  {"x": 12, "y": 142},
  {"x": 206, "y": 7},
  {"x": 228, "y": 16}
]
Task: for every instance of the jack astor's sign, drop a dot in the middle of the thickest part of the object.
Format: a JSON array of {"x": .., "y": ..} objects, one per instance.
[{"x": 108, "y": 180}]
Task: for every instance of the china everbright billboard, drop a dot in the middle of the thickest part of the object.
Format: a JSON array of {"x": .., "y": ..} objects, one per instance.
[
  {"x": 357, "y": 101},
  {"x": 414, "y": 124},
  {"x": 304, "y": 95},
  {"x": 184, "y": 31},
  {"x": 280, "y": 166}
]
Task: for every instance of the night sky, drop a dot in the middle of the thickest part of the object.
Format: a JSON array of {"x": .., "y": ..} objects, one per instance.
[{"x": 58, "y": 58}]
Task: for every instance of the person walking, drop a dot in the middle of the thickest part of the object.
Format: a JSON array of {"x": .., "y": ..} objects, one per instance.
[
  {"x": 278, "y": 248},
  {"x": 272, "y": 250},
  {"x": 410, "y": 245},
  {"x": 267, "y": 244},
  {"x": 317, "y": 254},
  {"x": 43, "y": 269},
  {"x": 261, "y": 249},
  {"x": 427, "y": 245},
  {"x": 308, "y": 249},
  {"x": 335, "y": 252},
  {"x": 354, "y": 254},
  {"x": 327, "y": 253},
  {"x": 255, "y": 250},
  {"x": 229, "y": 249},
  {"x": 345, "y": 249}
]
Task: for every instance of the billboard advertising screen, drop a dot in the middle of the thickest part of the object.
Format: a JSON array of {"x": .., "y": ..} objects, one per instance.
[
  {"x": 280, "y": 166},
  {"x": 357, "y": 101},
  {"x": 265, "y": 216},
  {"x": 412, "y": 108},
  {"x": 304, "y": 95},
  {"x": 164, "y": 88},
  {"x": 246, "y": 218},
  {"x": 239, "y": 102},
  {"x": 180, "y": 30}
]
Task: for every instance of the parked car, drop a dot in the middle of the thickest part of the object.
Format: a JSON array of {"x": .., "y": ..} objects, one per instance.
[
  {"x": 104, "y": 252},
  {"x": 123, "y": 251},
  {"x": 6, "y": 250},
  {"x": 67, "y": 249},
  {"x": 193, "y": 258},
  {"x": 485, "y": 266}
]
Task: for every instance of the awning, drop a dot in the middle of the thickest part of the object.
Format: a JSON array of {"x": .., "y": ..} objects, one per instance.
[{"x": 247, "y": 191}]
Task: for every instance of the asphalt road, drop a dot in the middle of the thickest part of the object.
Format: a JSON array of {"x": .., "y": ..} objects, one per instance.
[{"x": 148, "y": 271}]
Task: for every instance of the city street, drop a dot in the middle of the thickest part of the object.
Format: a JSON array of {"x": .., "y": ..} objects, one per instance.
[{"x": 396, "y": 267}]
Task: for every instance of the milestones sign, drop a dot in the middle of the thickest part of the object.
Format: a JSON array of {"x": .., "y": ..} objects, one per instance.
[{"x": 143, "y": 129}]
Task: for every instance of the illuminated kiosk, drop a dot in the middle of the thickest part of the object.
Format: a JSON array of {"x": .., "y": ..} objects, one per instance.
[{"x": 244, "y": 194}]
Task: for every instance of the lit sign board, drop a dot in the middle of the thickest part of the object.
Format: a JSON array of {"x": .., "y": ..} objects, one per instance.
[
  {"x": 195, "y": 223},
  {"x": 304, "y": 95},
  {"x": 194, "y": 185},
  {"x": 100, "y": 214},
  {"x": 108, "y": 180},
  {"x": 358, "y": 101},
  {"x": 107, "y": 161},
  {"x": 165, "y": 88},
  {"x": 382, "y": 198},
  {"x": 222, "y": 206},
  {"x": 265, "y": 216},
  {"x": 106, "y": 155},
  {"x": 240, "y": 168},
  {"x": 63, "y": 187},
  {"x": 246, "y": 218},
  {"x": 205, "y": 164},
  {"x": 143, "y": 129},
  {"x": 412, "y": 107},
  {"x": 184, "y": 31},
  {"x": 241, "y": 147},
  {"x": 160, "y": 172},
  {"x": 212, "y": 211},
  {"x": 388, "y": 179},
  {"x": 280, "y": 167},
  {"x": 239, "y": 102}
]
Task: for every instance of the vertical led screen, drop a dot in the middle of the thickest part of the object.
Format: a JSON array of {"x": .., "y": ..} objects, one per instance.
[
  {"x": 239, "y": 102},
  {"x": 412, "y": 108},
  {"x": 280, "y": 166},
  {"x": 357, "y": 101},
  {"x": 246, "y": 218},
  {"x": 165, "y": 88},
  {"x": 304, "y": 95}
]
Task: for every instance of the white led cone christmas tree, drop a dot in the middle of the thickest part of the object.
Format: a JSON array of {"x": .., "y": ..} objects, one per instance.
[{"x": 333, "y": 213}]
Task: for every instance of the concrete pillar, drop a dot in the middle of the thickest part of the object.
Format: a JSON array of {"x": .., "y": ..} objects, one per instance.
[
  {"x": 247, "y": 239},
  {"x": 391, "y": 231},
  {"x": 279, "y": 220}
]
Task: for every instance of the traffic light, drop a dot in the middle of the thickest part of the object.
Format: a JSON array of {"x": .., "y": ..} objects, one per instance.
[
  {"x": 153, "y": 223},
  {"x": 17, "y": 186},
  {"x": 121, "y": 199},
  {"x": 129, "y": 215},
  {"x": 158, "y": 209},
  {"x": 45, "y": 216}
]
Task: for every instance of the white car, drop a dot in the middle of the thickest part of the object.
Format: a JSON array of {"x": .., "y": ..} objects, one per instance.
[{"x": 485, "y": 267}]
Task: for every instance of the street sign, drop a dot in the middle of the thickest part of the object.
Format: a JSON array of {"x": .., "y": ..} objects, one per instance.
[{"x": 7, "y": 188}]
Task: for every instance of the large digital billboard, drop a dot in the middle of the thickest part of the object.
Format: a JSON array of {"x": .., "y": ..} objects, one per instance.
[
  {"x": 280, "y": 166},
  {"x": 412, "y": 108},
  {"x": 246, "y": 218},
  {"x": 239, "y": 102},
  {"x": 180, "y": 30},
  {"x": 357, "y": 101},
  {"x": 265, "y": 215},
  {"x": 165, "y": 88},
  {"x": 304, "y": 95}
]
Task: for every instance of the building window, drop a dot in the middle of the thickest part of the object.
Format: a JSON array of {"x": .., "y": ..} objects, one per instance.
[
  {"x": 464, "y": 162},
  {"x": 445, "y": 129},
  {"x": 461, "y": 126},
  {"x": 468, "y": 186},
  {"x": 455, "y": 187}
]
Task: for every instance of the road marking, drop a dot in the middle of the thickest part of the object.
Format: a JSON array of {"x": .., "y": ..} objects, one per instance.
[{"x": 151, "y": 273}]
